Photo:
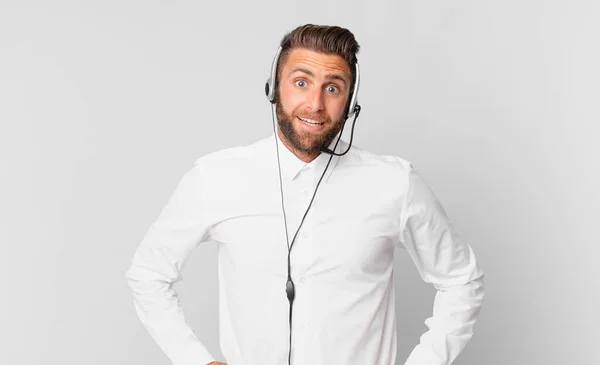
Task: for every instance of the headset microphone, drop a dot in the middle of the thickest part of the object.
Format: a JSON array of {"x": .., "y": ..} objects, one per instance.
[{"x": 330, "y": 152}]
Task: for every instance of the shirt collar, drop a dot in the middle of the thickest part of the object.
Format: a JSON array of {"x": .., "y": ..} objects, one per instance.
[{"x": 291, "y": 165}]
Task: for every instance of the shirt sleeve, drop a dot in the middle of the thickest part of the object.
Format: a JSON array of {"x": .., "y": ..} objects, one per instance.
[
  {"x": 157, "y": 265},
  {"x": 445, "y": 261}
]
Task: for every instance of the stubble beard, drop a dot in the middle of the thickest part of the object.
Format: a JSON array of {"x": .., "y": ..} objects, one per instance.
[{"x": 306, "y": 142}]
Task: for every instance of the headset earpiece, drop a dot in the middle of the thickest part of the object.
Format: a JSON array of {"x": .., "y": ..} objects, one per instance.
[
  {"x": 271, "y": 81},
  {"x": 353, "y": 106}
]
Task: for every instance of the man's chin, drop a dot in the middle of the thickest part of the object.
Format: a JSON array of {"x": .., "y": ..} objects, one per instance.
[
  {"x": 304, "y": 144},
  {"x": 309, "y": 148}
]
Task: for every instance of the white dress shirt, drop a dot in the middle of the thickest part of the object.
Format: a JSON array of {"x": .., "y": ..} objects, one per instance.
[{"x": 341, "y": 262}]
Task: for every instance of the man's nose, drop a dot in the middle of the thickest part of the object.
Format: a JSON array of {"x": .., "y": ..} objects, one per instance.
[{"x": 315, "y": 100}]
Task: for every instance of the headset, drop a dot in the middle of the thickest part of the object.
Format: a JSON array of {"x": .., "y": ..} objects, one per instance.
[{"x": 353, "y": 110}]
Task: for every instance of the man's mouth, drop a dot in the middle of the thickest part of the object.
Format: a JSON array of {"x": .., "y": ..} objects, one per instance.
[{"x": 311, "y": 121}]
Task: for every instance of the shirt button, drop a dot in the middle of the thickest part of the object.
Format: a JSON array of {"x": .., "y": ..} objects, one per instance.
[{"x": 302, "y": 279}]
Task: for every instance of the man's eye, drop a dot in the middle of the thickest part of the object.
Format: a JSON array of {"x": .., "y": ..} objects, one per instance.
[
  {"x": 301, "y": 83},
  {"x": 332, "y": 89}
]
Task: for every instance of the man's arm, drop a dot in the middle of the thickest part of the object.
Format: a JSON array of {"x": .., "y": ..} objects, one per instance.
[
  {"x": 448, "y": 263},
  {"x": 157, "y": 265}
]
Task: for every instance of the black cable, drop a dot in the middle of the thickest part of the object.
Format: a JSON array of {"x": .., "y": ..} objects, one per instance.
[
  {"x": 289, "y": 287},
  {"x": 357, "y": 109}
]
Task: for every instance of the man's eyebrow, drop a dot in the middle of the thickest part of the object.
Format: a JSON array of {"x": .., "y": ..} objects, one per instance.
[
  {"x": 337, "y": 77},
  {"x": 301, "y": 69},
  {"x": 333, "y": 76}
]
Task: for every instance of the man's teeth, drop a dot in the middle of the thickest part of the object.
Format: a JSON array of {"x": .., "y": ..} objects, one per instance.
[{"x": 310, "y": 121}]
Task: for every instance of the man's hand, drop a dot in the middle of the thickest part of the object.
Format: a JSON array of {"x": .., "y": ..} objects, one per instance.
[{"x": 216, "y": 363}]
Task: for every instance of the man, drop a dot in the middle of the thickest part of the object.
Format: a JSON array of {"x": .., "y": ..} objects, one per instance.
[{"x": 253, "y": 200}]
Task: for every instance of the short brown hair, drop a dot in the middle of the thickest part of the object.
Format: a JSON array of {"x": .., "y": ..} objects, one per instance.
[{"x": 323, "y": 39}]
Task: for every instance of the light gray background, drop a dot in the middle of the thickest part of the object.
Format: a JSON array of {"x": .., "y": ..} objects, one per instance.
[{"x": 104, "y": 106}]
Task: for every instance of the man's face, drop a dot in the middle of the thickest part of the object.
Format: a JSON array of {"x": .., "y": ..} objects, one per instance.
[{"x": 313, "y": 93}]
